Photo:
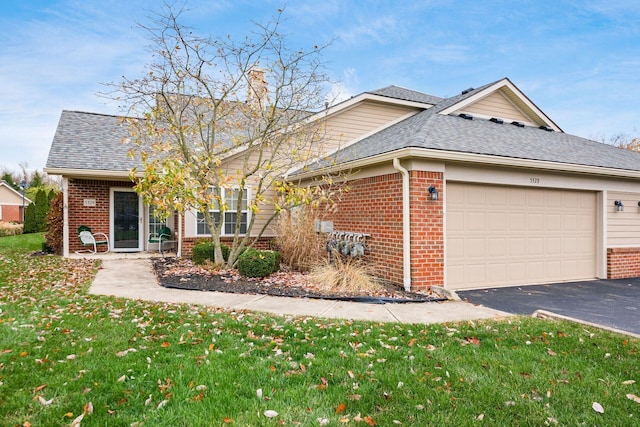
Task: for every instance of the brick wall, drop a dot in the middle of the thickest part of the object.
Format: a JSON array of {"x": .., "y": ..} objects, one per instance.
[
  {"x": 623, "y": 263},
  {"x": 374, "y": 206},
  {"x": 11, "y": 213},
  {"x": 427, "y": 230},
  {"x": 96, "y": 217}
]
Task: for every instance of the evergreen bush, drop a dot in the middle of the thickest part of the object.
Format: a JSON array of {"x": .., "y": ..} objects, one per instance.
[
  {"x": 203, "y": 251},
  {"x": 255, "y": 263}
]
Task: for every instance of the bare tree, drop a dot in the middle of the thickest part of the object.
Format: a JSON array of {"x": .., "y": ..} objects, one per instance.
[{"x": 221, "y": 119}]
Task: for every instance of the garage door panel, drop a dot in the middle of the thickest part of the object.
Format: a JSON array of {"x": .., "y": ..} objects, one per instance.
[
  {"x": 535, "y": 246},
  {"x": 501, "y": 235}
]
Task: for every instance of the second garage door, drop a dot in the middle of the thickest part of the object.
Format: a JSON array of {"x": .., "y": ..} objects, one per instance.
[{"x": 500, "y": 235}]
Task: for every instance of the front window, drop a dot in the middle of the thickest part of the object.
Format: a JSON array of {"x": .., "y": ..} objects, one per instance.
[
  {"x": 155, "y": 224},
  {"x": 230, "y": 220}
]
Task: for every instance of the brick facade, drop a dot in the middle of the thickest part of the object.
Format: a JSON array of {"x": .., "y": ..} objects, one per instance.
[
  {"x": 623, "y": 263},
  {"x": 11, "y": 213},
  {"x": 96, "y": 217},
  {"x": 374, "y": 206},
  {"x": 427, "y": 230}
]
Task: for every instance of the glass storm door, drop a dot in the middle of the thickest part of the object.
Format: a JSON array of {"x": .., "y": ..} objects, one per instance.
[{"x": 126, "y": 221}]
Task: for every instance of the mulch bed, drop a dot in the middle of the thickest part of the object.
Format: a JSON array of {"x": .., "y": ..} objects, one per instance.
[{"x": 183, "y": 274}]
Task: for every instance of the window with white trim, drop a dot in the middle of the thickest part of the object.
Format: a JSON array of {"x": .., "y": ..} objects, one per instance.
[{"x": 231, "y": 198}]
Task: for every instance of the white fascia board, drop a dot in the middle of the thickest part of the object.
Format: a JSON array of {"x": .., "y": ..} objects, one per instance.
[
  {"x": 345, "y": 105},
  {"x": 475, "y": 159},
  {"x": 88, "y": 173},
  {"x": 487, "y": 91}
]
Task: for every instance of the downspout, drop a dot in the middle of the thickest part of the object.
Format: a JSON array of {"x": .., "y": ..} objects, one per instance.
[
  {"x": 406, "y": 225},
  {"x": 65, "y": 217}
]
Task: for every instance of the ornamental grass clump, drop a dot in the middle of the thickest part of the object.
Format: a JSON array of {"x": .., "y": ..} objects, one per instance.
[
  {"x": 345, "y": 274},
  {"x": 10, "y": 229},
  {"x": 301, "y": 247}
]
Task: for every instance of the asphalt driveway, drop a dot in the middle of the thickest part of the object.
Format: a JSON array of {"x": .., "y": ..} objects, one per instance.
[{"x": 612, "y": 303}]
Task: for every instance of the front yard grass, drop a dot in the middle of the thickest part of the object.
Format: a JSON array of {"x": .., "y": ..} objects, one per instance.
[{"x": 66, "y": 354}]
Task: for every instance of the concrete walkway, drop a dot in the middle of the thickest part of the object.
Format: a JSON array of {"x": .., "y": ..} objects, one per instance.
[{"x": 133, "y": 278}]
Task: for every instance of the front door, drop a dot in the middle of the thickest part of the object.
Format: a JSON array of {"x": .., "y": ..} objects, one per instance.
[{"x": 126, "y": 220}]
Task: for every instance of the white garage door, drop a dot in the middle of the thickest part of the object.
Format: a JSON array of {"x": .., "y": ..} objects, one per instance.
[{"x": 500, "y": 235}]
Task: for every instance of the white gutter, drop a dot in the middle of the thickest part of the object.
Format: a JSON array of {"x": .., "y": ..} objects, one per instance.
[
  {"x": 432, "y": 154},
  {"x": 406, "y": 225}
]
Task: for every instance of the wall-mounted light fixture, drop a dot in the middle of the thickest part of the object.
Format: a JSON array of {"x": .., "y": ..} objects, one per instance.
[
  {"x": 619, "y": 205},
  {"x": 433, "y": 192}
]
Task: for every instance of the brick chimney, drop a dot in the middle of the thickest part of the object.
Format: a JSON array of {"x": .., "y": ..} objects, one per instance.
[{"x": 257, "y": 88}]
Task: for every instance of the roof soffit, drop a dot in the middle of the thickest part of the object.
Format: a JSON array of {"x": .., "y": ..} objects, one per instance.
[{"x": 514, "y": 96}]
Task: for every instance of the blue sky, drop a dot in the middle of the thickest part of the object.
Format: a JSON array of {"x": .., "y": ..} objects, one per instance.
[{"x": 579, "y": 61}]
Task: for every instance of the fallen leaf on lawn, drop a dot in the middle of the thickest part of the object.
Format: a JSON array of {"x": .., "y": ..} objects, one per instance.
[
  {"x": 259, "y": 393},
  {"x": 597, "y": 407},
  {"x": 628, "y": 382},
  {"x": 633, "y": 397},
  {"x": 161, "y": 404},
  {"x": 323, "y": 421},
  {"x": 149, "y": 400},
  {"x": 71, "y": 357},
  {"x": 552, "y": 420},
  {"x": 355, "y": 397},
  {"x": 341, "y": 407},
  {"x": 68, "y": 415},
  {"x": 122, "y": 379},
  {"x": 480, "y": 417},
  {"x": 369, "y": 420},
  {"x": 88, "y": 408},
  {"x": 76, "y": 422},
  {"x": 40, "y": 388},
  {"x": 44, "y": 402},
  {"x": 165, "y": 344},
  {"x": 551, "y": 352},
  {"x": 398, "y": 422},
  {"x": 270, "y": 413},
  {"x": 412, "y": 342},
  {"x": 351, "y": 375},
  {"x": 226, "y": 420}
]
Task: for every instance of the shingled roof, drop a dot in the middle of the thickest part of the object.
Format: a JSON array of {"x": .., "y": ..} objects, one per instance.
[
  {"x": 92, "y": 142},
  {"x": 397, "y": 92},
  {"x": 431, "y": 130}
]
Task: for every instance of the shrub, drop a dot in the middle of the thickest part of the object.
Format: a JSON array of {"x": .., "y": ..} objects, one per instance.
[
  {"x": 30, "y": 225},
  {"x": 10, "y": 229},
  {"x": 41, "y": 210},
  {"x": 345, "y": 274},
  {"x": 255, "y": 263},
  {"x": 203, "y": 251},
  {"x": 301, "y": 247},
  {"x": 55, "y": 225}
]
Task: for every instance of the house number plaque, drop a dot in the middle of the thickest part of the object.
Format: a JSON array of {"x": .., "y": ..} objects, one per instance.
[{"x": 91, "y": 203}]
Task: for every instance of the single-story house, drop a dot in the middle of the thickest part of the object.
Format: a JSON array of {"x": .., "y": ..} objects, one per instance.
[
  {"x": 479, "y": 189},
  {"x": 12, "y": 204}
]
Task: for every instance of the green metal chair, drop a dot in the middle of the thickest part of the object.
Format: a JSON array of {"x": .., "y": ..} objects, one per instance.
[
  {"x": 161, "y": 237},
  {"x": 91, "y": 240}
]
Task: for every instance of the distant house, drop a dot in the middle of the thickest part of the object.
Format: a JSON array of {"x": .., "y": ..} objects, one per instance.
[
  {"x": 11, "y": 204},
  {"x": 480, "y": 189}
]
